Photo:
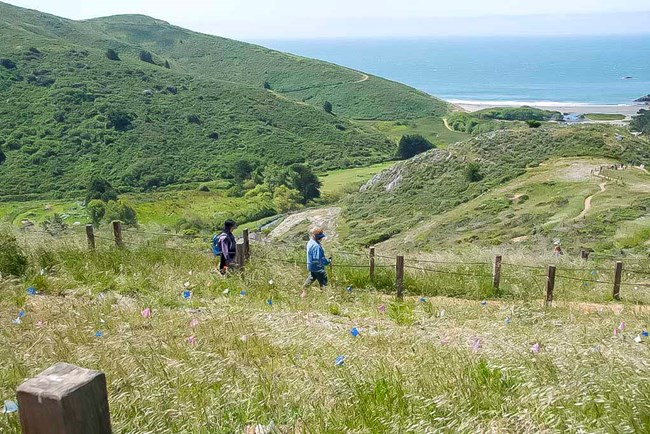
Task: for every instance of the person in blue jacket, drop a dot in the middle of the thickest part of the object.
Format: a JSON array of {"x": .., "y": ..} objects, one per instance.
[{"x": 316, "y": 261}]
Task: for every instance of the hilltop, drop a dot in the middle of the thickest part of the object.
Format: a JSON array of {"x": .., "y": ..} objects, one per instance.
[
  {"x": 509, "y": 186},
  {"x": 146, "y": 104}
]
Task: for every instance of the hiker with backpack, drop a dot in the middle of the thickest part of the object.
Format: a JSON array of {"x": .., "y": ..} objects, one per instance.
[
  {"x": 316, "y": 261},
  {"x": 224, "y": 246}
]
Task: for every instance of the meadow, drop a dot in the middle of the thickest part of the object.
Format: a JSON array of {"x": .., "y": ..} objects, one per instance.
[{"x": 246, "y": 353}]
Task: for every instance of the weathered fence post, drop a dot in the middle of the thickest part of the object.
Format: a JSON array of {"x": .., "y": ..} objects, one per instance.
[
  {"x": 240, "y": 255},
  {"x": 247, "y": 245},
  {"x": 117, "y": 232},
  {"x": 371, "y": 255},
  {"x": 65, "y": 399},
  {"x": 399, "y": 277},
  {"x": 618, "y": 273},
  {"x": 496, "y": 272},
  {"x": 90, "y": 234},
  {"x": 550, "y": 284},
  {"x": 584, "y": 254}
]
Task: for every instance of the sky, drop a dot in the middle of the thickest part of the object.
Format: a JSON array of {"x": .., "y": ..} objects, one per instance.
[{"x": 300, "y": 19}]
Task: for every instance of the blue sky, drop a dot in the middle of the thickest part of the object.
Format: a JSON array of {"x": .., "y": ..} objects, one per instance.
[{"x": 271, "y": 19}]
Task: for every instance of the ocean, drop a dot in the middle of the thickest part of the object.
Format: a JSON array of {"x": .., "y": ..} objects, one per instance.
[{"x": 562, "y": 70}]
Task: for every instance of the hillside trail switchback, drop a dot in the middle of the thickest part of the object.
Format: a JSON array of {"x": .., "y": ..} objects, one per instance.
[{"x": 588, "y": 201}]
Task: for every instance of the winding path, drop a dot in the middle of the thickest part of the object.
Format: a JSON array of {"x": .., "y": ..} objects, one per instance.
[{"x": 588, "y": 201}]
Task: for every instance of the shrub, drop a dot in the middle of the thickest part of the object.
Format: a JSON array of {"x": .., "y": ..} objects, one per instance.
[
  {"x": 122, "y": 211},
  {"x": 3, "y": 157},
  {"x": 327, "y": 106},
  {"x": 54, "y": 225},
  {"x": 7, "y": 64},
  {"x": 267, "y": 85},
  {"x": 473, "y": 172},
  {"x": 213, "y": 136},
  {"x": 204, "y": 188},
  {"x": 303, "y": 179},
  {"x": 534, "y": 124},
  {"x": 12, "y": 259},
  {"x": 167, "y": 64},
  {"x": 193, "y": 119},
  {"x": 411, "y": 145},
  {"x": 119, "y": 119},
  {"x": 112, "y": 54},
  {"x": 99, "y": 188},
  {"x": 96, "y": 210}
]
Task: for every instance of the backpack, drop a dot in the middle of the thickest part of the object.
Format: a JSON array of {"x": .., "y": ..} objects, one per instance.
[{"x": 216, "y": 246}]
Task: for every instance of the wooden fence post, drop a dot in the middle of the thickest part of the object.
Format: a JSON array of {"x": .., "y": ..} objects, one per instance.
[
  {"x": 247, "y": 245},
  {"x": 496, "y": 272},
  {"x": 550, "y": 284},
  {"x": 240, "y": 255},
  {"x": 117, "y": 232},
  {"x": 584, "y": 254},
  {"x": 618, "y": 273},
  {"x": 90, "y": 234},
  {"x": 399, "y": 277},
  {"x": 371, "y": 254},
  {"x": 65, "y": 399}
]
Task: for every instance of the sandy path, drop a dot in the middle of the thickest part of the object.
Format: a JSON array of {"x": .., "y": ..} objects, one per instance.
[
  {"x": 322, "y": 217},
  {"x": 364, "y": 77},
  {"x": 444, "y": 121},
  {"x": 588, "y": 201}
]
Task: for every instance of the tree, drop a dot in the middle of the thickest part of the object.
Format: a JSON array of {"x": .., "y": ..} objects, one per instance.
[
  {"x": 241, "y": 170},
  {"x": 303, "y": 179},
  {"x": 99, "y": 188},
  {"x": 96, "y": 210},
  {"x": 286, "y": 199},
  {"x": 267, "y": 85},
  {"x": 473, "y": 172},
  {"x": 167, "y": 64},
  {"x": 641, "y": 122},
  {"x": 119, "y": 119},
  {"x": 122, "y": 211},
  {"x": 411, "y": 145},
  {"x": 112, "y": 54},
  {"x": 534, "y": 124},
  {"x": 146, "y": 56},
  {"x": 327, "y": 106},
  {"x": 275, "y": 176}
]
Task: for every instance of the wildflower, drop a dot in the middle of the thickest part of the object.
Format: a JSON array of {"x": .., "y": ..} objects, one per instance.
[
  {"x": 21, "y": 313},
  {"x": 621, "y": 326},
  {"x": 508, "y": 320},
  {"x": 354, "y": 332},
  {"x": 187, "y": 294},
  {"x": 269, "y": 302},
  {"x": 243, "y": 338},
  {"x": 40, "y": 323},
  {"x": 146, "y": 313},
  {"x": 382, "y": 308},
  {"x": 484, "y": 303},
  {"x": 9, "y": 407},
  {"x": 186, "y": 284},
  {"x": 194, "y": 322},
  {"x": 271, "y": 282},
  {"x": 226, "y": 291},
  {"x": 98, "y": 334},
  {"x": 441, "y": 314},
  {"x": 31, "y": 291},
  {"x": 339, "y": 361},
  {"x": 476, "y": 345},
  {"x": 644, "y": 333},
  {"x": 444, "y": 341},
  {"x": 242, "y": 293},
  {"x": 191, "y": 340},
  {"x": 16, "y": 321},
  {"x": 637, "y": 339},
  {"x": 615, "y": 332},
  {"x": 423, "y": 300},
  {"x": 535, "y": 348},
  {"x": 100, "y": 296},
  {"x": 349, "y": 289}
]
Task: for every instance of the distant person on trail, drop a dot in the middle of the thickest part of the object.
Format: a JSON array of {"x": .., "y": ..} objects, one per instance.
[
  {"x": 224, "y": 246},
  {"x": 316, "y": 261},
  {"x": 557, "y": 250}
]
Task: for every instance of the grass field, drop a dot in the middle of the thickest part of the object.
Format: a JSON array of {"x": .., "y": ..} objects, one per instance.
[
  {"x": 432, "y": 128},
  {"x": 423, "y": 365},
  {"x": 604, "y": 117},
  {"x": 341, "y": 181}
]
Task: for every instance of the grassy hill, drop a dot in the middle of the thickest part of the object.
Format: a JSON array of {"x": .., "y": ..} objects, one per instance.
[
  {"x": 69, "y": 111},
  {"x": 521, "y": 190}
]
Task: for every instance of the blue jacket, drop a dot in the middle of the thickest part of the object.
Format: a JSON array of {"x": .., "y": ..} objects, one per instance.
[{"x": 316, "y": 260}]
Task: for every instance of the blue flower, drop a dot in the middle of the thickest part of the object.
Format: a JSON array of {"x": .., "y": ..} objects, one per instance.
[
  {"x": 31, "y": 291},
  {"x": 508, "y": 320},
  {"x": 484, "y": 303},
  {"x": 349, "y": 289},
  {"x": 339, "y": 361},
  {"x": 187, "y": 293},
  {"x": 269, "y": 302},
  {"x": 242, "y": 293},
  {"x": 423, "y": 300},
  {"x": 21, "y": 313},
  {"x": 645, "y": 333},
  {"x": 98, "y": 334},
  {"x": 354, "y": 332}
]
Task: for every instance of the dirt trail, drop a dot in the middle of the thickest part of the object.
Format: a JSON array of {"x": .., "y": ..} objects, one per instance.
[
  {"x": 322, "y": 217},
  {"x": 364, "y": 77},
  {"x": 444, "y": 121},
  {"x": 588, "y": 201}
]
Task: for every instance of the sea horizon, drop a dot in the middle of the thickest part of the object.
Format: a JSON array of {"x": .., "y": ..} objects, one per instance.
[{"x": 603, "y": 70}]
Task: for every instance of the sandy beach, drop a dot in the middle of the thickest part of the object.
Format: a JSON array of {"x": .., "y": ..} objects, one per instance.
[{"x": 626, "y": 110}]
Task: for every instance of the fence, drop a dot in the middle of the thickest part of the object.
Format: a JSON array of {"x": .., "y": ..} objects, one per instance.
[{"x": 549, "y": 274}]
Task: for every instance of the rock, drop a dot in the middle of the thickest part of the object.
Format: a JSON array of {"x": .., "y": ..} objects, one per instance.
[{"x": 645, "y": 99}]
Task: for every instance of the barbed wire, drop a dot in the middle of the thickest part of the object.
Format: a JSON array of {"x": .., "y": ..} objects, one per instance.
[{"x": 431, "y": 270}]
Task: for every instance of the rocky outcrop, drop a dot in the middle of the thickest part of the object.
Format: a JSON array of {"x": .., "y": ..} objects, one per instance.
[{"x": 645, "y": 99}]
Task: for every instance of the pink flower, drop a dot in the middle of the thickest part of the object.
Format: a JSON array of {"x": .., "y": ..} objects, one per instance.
[
  {"x": 444, "y": 341},
  {"x": 194, "y": 322},
  {"x": 621, "y": 326},
  {"x": 40, "y": 323},
  {"x": 476, "y": 345},
  {"x": 146, "y": 313},
  {"x": 191, "y": 340},
  {"x": 381, "y": 308},
  {"x": 615, "y": 332},
  {"x": 535, "y": 348}
]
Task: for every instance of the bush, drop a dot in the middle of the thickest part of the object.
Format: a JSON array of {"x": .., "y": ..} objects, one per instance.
[
  {"x": 167, "y": 64},
  {"x": 7, "y": 64},
  {"x": 204, "y": 188},
  {"x": 112, "y": 54},
  {"x": 96, "y": 210},
  {"x": 99, "y": 188},
  {"x": 327, "y": 106},
  {"x": 3, "y": 157},
  {"x": 473, "y": 172},
  {"x": 120, "y": 120},
  {"x": 411, "y": 145},
  {"x": 54, "y": 225},
  {"x": 193, "y": 119},
  {"x": 122, "y": 211},
  {"x": 12, "y": 259},
  {"x": 267, "y": 85},
  {"x": 534, "y": 124}
]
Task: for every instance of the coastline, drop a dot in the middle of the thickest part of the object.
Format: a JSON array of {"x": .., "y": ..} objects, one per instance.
[{"x": 627, "y": 110}]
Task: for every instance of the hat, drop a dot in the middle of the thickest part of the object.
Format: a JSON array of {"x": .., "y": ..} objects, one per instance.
[{"x": 317, "y": 233}]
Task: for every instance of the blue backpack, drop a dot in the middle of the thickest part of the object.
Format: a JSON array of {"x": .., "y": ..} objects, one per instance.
[{"x": 216, "y": 247}]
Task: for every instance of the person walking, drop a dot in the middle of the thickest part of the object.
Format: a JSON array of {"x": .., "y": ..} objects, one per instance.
[
  {"x": 224, "y": 246},
  {"x": 316, "y": 261}
]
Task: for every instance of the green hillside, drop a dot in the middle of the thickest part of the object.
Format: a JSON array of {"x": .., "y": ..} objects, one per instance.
[
  {"x": 517, "y": 191},
  {"x": 69, "y": 112}
]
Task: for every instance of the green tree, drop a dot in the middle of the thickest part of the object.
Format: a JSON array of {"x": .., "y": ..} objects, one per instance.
[
  {"x": 12, "y": 259},
  {"x": 167, "y": 64},
  {"x": 304, "y": 180},
  {"x": 411, "y": 145},
  {"x": 267, "y": 85},
  {"x": 122, "y": 211},
  {"x": 533, "y": 124},
  {"x": 473, "y": 172},
  {"x": 241, "y": 170},
  {"x": 119, "y": 119},
  {"x": 99, "y": 188},
  {"x": 112, "y": 54},
  {"x": 641, "y": 122},
  {"x": 96, "y": 210},
  {"x": 327, "y": 106},
  {"x": 275, "y": 176},
  {"x": 286, "y": 199}
]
